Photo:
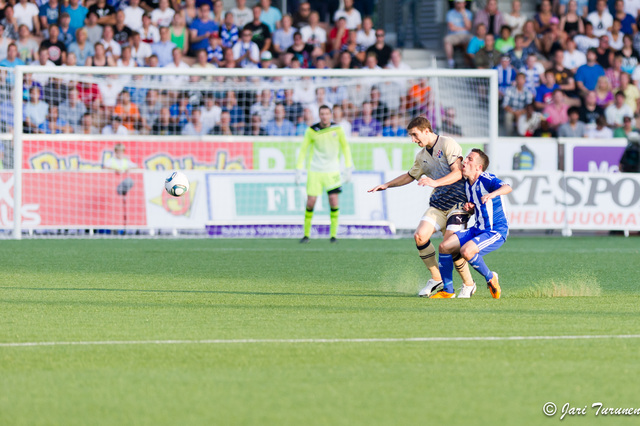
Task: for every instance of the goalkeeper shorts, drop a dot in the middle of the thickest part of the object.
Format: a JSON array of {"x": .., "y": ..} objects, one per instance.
[{"x": 319, "y": 182}]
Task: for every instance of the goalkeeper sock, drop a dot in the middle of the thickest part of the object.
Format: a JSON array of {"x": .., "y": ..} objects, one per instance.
[
  {"x": 463, "y": 269},
  {"x": 478, "y": 264},
  {"x": 308, "y": 214},
  {"x": 333, "y": 229},
  {"x": 428, "y": 255},
  {"x": 445, "y": 262}
]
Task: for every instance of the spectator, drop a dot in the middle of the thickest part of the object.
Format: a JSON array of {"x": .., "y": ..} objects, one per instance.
[
  {"x": 630, "y": 57},
  {"x": 77, "y": 12},
  {"x": 94, "y": 30},
  {"x": 242, "y": 15},
  {"x": 225, "y": 127},
  {"x": 615, "y": 36},
  {"x": 210, "y": 112},
  {"x": 487, "y": 57},
  {"x": 366, "y": 125},
  {"x": 86, "y": 125},
  {"x": 9, "y": 23},
  {"x": 130, "y": 112},
  {"x": 380, "y": 109},
  {"x": 491, "y": 17},
  {"x": 544, "y": 92},
  {"x": 615, "y": 112},
  {"x": 229, "y": 33},
  {"x": 72, "y": 109},
  {"x": 164, "y": 48},
  {"x": 506, "y": 74},
  {"x": 515, "y": 19},
  {"x": 604, "y": 53},
  {"x": 545, "y": 130},
  {"x": 573, "y": 128},
  {"x": 393, "y": 128},
  {"x": 564, "y": 78},
  {"x": 105, "y": 12},
  {"x": 56, "y": 49},
  {"x": 529, "y": 121},
  {"x": 27, "y": 46},
  {"x": 54, "y": 91},
  {"x": 35, "y": 111},
  {"x": 587, "y": 75},
  {"x": 556, "y": 112},
  {"x": 341, "y": 121},
  {"x": 4, "y": 43},
  {"x": 600, "y": 131},
  {"x": 265, "y": 107},
  {"x": 357, "y": 52},
  {"x": 613, "y": 74},
  {"x": 236, "y": 113},
  {"x": 301, "y": 17},
  {"x": 215, "y": 54},
  {"x": 245, "y": 52},
  {"x": 571, "y": 23},
  {"x": 190, "y": 12},
  {"x": 313, "y": 33},
  {"x": 217, "y": 12},
  {"x": 458, "y": 30},
  {"x": 48, "y": 14},
  {"x": 256, "y": 128},
  {"x": 627, "y": 127},
  {"x": 351, "y": 14},
  {"x": 293, "y": 110},
  {"x": 115, "y": 127},
  {"x": 542, "y": 20},
  {"x": 80, "y": 48},
  {"x": 111, "y": 47},
  {"x": 261, "y": 35},
  {"x": 573, "y": 58},
  {"x": 604, "y": 95},
  {"x": 283, "y": 37},
  {"x": 27, "y": 13},
  {"x": 228, "y": 60},
  {"x": 338, "y": 36},
  {"x": 590, "y": 111},
  {"x": 42, "y": 61},
  {"x": 320, "y": 99},
  {"x": 133, "y": 15},
  {"x": 346, "y": 61},
  {"x": 514, "y": 103},
  {"x": 176, "y": 63},
  {"x": 54, "y": 124},
  {"x": 631, "y": 92},
  {"x": 201, "y": 28},
  {"x": 179, "y": 32},
  {"x": 140, "y": 51},
  {"x": 627, "y": 21},
  {"x": 582, "y": 7},
  {"x": 588, "y": 40},
  {"x": 477, "y": 42},
  {"x": 195, "y": 126},
  {"x": 202, "y": 62},
  {"x": 266, "y": 62},
  {"x": 449, "y": 127},
  {"x": 149, "y": 33},
  {"x": 381, "y": 49},
  {"x": 163, "y": 15},
  {"x": 302, "y": 51},
  {"x": 518, "y": 55},
  {"x": 307, "y": 121},
  {"x": 600, "y": 18},
  {"x": 270, "y": 15},
  {"x": 280, "y": 126},
  {"x": 110, "y": 89},
  {"x": 505, "y": 43},
  {"x": 366, "y": 37}
]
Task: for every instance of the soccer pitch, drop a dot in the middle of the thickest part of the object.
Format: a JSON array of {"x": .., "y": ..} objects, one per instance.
[{"x": 166, "y": 332}]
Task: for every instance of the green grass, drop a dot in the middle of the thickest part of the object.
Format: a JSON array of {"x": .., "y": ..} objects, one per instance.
[{"x": 141, "y": 290}]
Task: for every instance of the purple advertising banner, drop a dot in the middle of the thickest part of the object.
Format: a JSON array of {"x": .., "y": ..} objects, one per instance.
[
  {"x": 596, "y": 158},
  {"x": 295, "y": 231}
]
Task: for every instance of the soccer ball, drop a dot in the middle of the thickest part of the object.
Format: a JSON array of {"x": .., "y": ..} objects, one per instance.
[{"x": 176, "y": 184}]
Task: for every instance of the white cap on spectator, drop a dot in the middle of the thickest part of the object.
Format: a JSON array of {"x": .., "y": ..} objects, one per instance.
[{"x": 266, "y": 56}]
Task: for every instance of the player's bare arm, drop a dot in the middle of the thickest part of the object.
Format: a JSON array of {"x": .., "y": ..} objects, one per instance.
[
  {"x": 453, "y": 177},
  {"x": 399, "y": 181},
  {"x": 469, "y": 207},
  {"x": 503, "y": 190}
]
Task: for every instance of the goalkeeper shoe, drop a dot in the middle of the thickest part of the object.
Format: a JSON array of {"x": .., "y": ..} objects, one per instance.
[
  {"x": 333, "y": 240},
  {"x": 443, "y": 295},
  {"x": 431, "y": 287},
  {"x": 304, "y": 240},
  {"x": 467, "y": 291},
  {"x": 494, "y": 286}
]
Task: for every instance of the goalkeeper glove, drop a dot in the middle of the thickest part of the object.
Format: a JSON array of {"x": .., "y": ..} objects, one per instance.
[
  {"x": 346, "y": 174},
  {"x": 298, "y": 178}
]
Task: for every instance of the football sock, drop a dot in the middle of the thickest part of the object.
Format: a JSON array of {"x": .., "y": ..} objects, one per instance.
[
  {"x": 428, "y": 255},
  {"x": 463, "y": 269},
  {"x": 478, "y": 264},
  {"x": 333, "y": 229},
  {"x": 308, "y": 214},
  {"x": 445, "y": 261}
]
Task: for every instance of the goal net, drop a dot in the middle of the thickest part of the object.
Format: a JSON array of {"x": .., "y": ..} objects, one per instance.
[{"x": 94, "y": 145}]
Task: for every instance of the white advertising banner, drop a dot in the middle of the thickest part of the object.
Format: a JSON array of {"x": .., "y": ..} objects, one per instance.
[
  {"x": 573, "y": 201},
  {"x": 164, "y": 211}
]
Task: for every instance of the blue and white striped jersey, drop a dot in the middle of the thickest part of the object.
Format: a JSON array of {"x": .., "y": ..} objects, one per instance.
[{"x": 490, "y": 216}]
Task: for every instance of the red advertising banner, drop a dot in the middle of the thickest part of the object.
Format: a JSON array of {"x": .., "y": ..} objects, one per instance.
[{"x": 150, "y": 155}]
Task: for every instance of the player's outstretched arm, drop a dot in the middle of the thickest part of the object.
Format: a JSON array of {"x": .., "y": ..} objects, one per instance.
[
  {"x": 503, "y": 190},
  {"x": 399, "y": 181}
]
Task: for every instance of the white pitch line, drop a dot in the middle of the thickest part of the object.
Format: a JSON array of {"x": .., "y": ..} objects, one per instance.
[{"x": 354, "y": 340}]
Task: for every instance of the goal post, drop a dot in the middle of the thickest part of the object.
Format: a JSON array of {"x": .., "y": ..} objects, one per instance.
[{"x": 166, "y": 119}]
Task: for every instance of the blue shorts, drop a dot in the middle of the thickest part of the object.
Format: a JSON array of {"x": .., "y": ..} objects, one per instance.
[{"x": 487, "y": 241}]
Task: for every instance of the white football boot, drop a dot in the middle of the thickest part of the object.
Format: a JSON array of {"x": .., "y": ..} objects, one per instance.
[
  {"x": 432, "y": 286},
  {"x": 467, "y": 291}
]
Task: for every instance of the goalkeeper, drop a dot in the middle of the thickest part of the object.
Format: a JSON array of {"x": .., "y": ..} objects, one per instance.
[{"x": 323, "y": 141}]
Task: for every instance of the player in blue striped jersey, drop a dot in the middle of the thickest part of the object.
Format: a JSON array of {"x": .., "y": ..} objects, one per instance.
[{"x": 484, "y": 192}]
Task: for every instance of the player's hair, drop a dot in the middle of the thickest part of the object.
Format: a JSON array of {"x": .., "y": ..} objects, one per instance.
[
  {"x": 420, "y": 123},
  {"x": 483, "y": 157},
  {"x": 324, "y": 107}
]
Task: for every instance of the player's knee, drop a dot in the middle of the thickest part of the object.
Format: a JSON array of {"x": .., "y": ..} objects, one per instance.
[
  {"x": 420, "y": 239},
  {"x": 468, "y": 252},
  {"x": 444, "y": 248}
]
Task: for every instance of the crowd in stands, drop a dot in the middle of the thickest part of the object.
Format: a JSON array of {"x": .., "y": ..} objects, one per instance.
[
  {"x": 569, "y": 70},
  {"x": 199, "y": 34}
]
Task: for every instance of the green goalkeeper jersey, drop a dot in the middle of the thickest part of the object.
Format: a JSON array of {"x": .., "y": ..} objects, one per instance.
[{"x": 324, "y": 146}]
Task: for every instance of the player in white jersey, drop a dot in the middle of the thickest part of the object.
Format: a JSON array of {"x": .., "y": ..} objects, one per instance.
[
  {"x": 438, "y": 165},
  {"x": 490, "y": 231}
]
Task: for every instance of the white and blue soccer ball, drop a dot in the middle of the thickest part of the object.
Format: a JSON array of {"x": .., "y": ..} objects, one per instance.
[{"x": 176, "y": 184}]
